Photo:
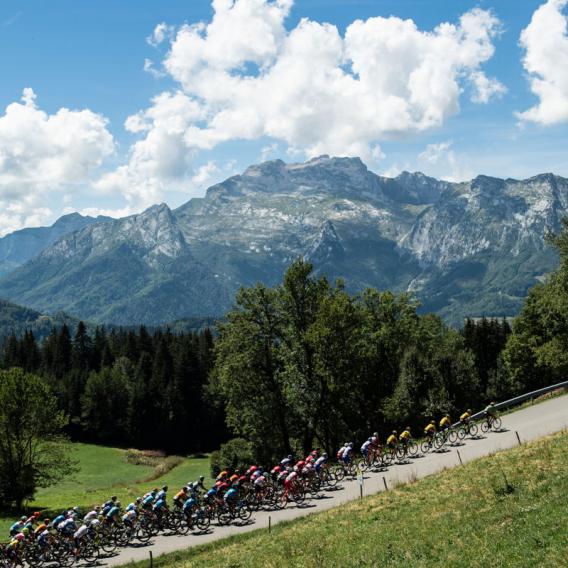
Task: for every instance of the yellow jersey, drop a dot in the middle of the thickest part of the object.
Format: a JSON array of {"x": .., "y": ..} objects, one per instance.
[
  {"x": 430, "y": 429},
  {"x": 392, "y": 440},
  {"x": 405, "y": 435},
  {"x": 445, "y": 422},
  {"x": 465, "y": 416}
]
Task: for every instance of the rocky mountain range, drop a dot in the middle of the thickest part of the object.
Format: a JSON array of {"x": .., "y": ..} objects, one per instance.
[
  {"x": 20, "y": 246},
  {"x": 465, "y": 249}
]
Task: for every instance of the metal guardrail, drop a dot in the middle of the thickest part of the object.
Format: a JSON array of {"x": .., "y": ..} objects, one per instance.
[
  {"x": 522, "y": 398},
  {"x": 519, "y": 399}
]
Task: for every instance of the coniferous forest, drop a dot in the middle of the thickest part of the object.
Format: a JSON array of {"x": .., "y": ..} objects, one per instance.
[{"x": 126, "y": 387}]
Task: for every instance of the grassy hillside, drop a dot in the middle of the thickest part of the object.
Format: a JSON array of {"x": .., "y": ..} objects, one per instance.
[
  {"x": 506, "y": 510},
  {"x": 104, "y": 472}
]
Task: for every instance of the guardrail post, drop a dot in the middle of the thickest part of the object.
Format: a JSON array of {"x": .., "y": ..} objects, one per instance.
[
  {"x": 460, "y": 458},
  {"x": 518, "y": 437},
  {"x": 151, "y": 560},
  {"x": 269, "y": 524},
  {"x": 385, "y": 482}
]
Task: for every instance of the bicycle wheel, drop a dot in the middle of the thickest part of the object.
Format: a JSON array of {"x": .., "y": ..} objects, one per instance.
[
  {"x": 299, "y": 494},
  {"x": 90, "y": 554},
  {"x": 453, "y": 436},
  {"x": 485, "y": 426},
  {"x": 224, "y": 516},
  {"x": 439, "y": 440},
  {"x": 462, "y": 432},
  {"x": 496, "y": 423},
  {"x": 412, "y": 448},
  {"x": 473, "y": 430},
  {"x": 245, "y": 513},
  {"x": 425, "y": 446},
  {"x": 202, "y": 521},
  {"x": 400, "y": 453},
  {"x": 338, "y": 472}
]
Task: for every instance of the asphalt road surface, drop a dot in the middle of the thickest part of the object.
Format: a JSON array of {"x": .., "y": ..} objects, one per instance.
[{"x": 530, "y": 423}]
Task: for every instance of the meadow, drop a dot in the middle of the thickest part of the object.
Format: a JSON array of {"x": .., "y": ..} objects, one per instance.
[{"x": 103, "y": 472}]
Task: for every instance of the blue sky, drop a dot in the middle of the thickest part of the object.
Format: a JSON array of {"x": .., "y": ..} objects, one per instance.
[{"x": 89, "y": 57}]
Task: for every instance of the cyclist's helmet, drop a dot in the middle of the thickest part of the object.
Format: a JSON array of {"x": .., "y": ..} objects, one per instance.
[
  {"x": 394, "y": 432},
  {"x": 20, "y": 537},
  {"x": 114, "y": 498},
  {"x": 290, "y": 456},
  {"x": 37, "y": 515},
  {"x": 201, "y": 478},
  {"x": 26, "y": 531},
  {"x": 117, "y": 504},
  {"x": 408, "y": 428},
  {"x": 138, "y": 500},
  {"x": 375, "y": 434},
  {"x": 469, "y": 410},
  {"x": 23, "y": 518},
  {"x": 324, "y": 455},
  {"x": 165, "y": 488},
  {"x": 369, "y": 439},
  {"x": 432, "y": 422},
  {"x": 97, "y": 508}
]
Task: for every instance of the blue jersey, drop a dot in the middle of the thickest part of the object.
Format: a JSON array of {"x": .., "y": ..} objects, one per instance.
[
  {"x": 58, "y": 520},
  {"x": 189, "y": 504},
  {"x": 160, "y": 504},
  {"x": 148, "y": 501},
  {"x": 16, "y": 528},
  {"x": 162, "y": 495},
  {"x": 114, "y": 511},
  {"x": 231, "y": 495}
]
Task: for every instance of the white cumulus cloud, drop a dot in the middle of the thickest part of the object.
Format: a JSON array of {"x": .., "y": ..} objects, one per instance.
[
  {"x": 244, "y": 75},
  {"x": 545, "y": 41},
  {"x": 41, "y": 153}
]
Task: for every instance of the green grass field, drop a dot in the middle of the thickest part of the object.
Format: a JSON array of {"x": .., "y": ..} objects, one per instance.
[
  {"x": 506, "y": 510},
  {"x": 103, "y": 472}
]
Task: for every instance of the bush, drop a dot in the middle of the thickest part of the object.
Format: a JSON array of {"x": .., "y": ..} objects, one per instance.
[{"x": 235, "y": 454}]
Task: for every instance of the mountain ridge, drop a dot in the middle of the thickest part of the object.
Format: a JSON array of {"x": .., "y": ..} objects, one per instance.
[{"x": 467, "y": 248}]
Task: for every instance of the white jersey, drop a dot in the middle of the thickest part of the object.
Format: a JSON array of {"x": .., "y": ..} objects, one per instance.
[{"x": 81, "y": 532}]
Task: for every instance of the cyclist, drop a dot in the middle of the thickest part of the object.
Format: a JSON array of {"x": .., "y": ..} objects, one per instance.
[
  {"x": 222, "y": 476},
  {"x": 112, "y": 516},
  {"x": 365, "y": 447},
  {"x": 79, "y": 536},
  {"x": 232, "y": 496},
  {"x": 41, "y": 527},
  {"x": 18, "y": 526},
  {"x": 464, "y": 418},
  {"x": 445, "y": 422},
  {"x": 163, "y": 494},
  {"x": 109, "y": 504},
  {"x": 405, "y": 436},
  {"x": 181, "y": 496},
  {"x": 199, "y": 485},
  {"x": 286, "y": 462},
  {"x": 92, "y": 515},
  {"x": 148, "y": 501},
  {"x": 321, "y": 462},
  {"x": 392, "y": 440},
  {"x": 129, "y": 517},
  {"x": 430, "y": 429},
  {"x": 159, "y": 508},
  {"x": 134, "y": 505},
  {"x": 490, "y": 412}
]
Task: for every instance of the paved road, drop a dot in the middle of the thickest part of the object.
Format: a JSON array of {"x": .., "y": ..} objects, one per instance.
[{"x": 532, "y": 422}]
